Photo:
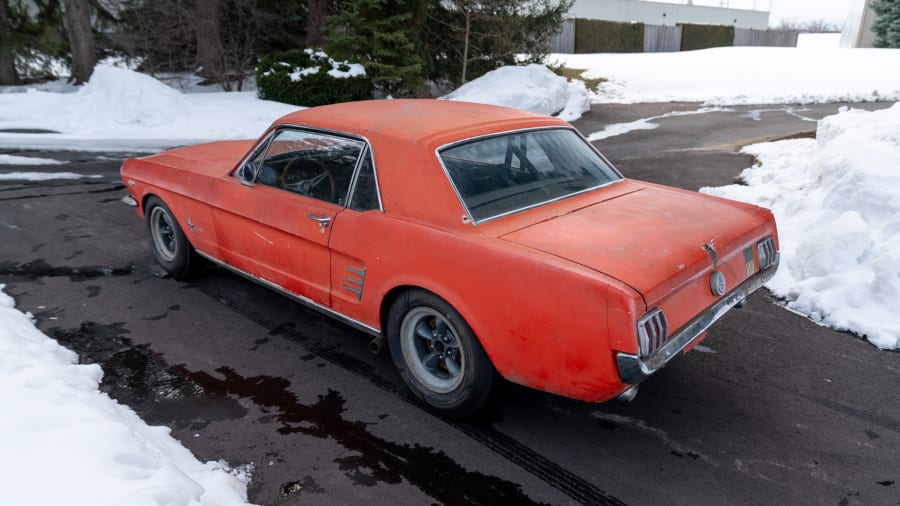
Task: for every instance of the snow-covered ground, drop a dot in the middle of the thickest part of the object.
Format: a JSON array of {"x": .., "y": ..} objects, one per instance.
[
  {"x": 743, "y": 75},
  {"x": 27, "y": 160},
  {"x": 836, "y": 199},
  {"x": 124, "y": 110},
  {"x": 64, "y": 442},
  {"x": 43, "y": 176}
]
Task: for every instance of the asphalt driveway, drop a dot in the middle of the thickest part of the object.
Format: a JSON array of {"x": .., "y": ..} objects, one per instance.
[{"x": 772, "y": 409}]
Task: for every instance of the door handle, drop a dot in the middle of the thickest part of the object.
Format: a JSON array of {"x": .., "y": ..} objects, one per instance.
[{"x": 322, "y": 220}]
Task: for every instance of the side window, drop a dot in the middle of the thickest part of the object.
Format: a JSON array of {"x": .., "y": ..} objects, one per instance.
[
  {"x": 365, "y": 193},
  {"x": 308, "y": 163}
]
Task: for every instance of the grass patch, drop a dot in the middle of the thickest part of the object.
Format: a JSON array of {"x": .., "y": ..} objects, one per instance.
[{"x": 571, "y": 74}]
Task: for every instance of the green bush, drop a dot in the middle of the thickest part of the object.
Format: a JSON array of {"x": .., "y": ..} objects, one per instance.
[
  {"x": 594, "y": 36},
  {"x": 300, "y": 77},
  {"x": 706, "y": 36}
]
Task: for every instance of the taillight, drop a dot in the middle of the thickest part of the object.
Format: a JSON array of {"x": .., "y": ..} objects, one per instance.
[
  {"x": 653, "y": 330},
  {"x": 765, "y": 250}
]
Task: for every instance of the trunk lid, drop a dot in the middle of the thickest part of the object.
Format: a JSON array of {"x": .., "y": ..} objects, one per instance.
[{"x": 655, "y": 240}]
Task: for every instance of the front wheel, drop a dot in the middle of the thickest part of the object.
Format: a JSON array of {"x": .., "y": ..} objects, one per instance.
[
  {"x": 438, "y": 355},
  {"x": 170, "y": 246}
]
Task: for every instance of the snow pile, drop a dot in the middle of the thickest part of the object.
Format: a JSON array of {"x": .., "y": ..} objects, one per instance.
[
  {"x": 743, "y": 75},
  {"x": 818, "y": 40},
  {"x": 132, "y": 110},
  {"x": 533, "y": 88},
  {"x": 64, "y": 442},
  {"x": 837, "y": 203}
]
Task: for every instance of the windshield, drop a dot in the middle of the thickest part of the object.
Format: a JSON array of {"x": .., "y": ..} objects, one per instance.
[{"x": 508, "y": 173}]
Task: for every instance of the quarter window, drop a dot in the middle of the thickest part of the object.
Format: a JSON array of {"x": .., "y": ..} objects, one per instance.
[{"x": 365, "y": 193}]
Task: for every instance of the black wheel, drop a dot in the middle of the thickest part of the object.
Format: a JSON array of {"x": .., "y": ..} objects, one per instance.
[
  {"x": 438, "y": 355},
  {"x": 170, "y": 246}
]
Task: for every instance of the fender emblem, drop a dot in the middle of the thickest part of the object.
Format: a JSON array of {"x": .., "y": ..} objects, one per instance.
[{"x": 193, "y": 227}]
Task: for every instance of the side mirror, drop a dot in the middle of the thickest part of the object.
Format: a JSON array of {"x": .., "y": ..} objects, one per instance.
[{"x": 247, "y": 173}]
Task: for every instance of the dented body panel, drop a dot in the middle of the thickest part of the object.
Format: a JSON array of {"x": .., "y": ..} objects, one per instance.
[{"x": 554, "y": 293}]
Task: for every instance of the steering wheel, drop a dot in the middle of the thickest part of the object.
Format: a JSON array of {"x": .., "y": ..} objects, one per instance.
[{"x": 309, "y": 185}]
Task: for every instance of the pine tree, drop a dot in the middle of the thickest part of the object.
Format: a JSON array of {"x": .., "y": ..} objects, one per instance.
[
  {"x": 466, "y": 38},
  {"x": 383, "y": 35},
  {"x": 887, "y": 23}
]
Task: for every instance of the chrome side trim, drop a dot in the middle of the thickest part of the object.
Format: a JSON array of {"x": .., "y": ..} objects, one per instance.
[
  {"x": 129, "y": 200},
  {"x": 634, "y": 369},
  {"x": 296, "y": 297}
]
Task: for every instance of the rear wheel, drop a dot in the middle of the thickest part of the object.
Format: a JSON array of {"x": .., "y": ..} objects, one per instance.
[
  {"x": 438, "y": 355},
  {"x": 170, "y": 246}
]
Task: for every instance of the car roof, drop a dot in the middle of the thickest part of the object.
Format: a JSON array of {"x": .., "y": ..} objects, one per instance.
[{"x": 417, "y": 119}]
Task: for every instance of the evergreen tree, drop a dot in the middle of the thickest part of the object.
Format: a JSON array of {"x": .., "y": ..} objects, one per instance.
[
  {"x": 383, "y": 35},
  {"x": 887, "y": 23},
  {"x": 8, "y": 72},
  {"x": 32, "y": 31},
  {"x": 466, "y": 38}
]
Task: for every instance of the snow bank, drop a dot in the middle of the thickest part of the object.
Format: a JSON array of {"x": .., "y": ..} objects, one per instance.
[
  {"x": 64, "y": 442},
  {"x": 818, "y": 40},
  {"x": 743, "y": 75},
  {"x": 122, "y": 105},
  {"x": 533, "y": 88},
  {"x": 837, "y": 203}
]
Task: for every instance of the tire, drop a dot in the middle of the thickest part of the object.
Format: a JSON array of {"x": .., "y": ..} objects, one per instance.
[
  {"x": 438, "y": 355},
  {"x": 171, "y": 247}
]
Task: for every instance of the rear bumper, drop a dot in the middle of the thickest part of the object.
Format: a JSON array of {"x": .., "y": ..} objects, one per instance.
[{"x": 634, "y": 369}]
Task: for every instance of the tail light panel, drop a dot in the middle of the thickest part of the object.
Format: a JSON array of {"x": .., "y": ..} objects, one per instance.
[{"x": 653, "y": 332}]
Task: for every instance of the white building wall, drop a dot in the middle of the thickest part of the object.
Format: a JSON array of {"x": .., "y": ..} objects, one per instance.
[
  {"x": 658, "y": 13},
  {"x": 858, "y": 28}
]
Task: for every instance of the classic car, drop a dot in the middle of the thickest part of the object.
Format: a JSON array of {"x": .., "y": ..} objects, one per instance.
[{"x": 472, "y": 240}]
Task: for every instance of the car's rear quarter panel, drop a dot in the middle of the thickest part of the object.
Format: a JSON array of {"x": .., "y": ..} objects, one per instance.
[{"x": 542, "y": 321}]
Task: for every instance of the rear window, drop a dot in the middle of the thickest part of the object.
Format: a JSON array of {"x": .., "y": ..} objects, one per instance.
[{"x": 504, "y": 174}]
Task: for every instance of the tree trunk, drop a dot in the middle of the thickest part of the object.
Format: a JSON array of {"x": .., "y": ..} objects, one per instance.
[
  {"x": 8, "y": 74},
  {"x": 465, "y": 58},
  {"x": 210, "y": 54},
  {"x": 81, "y": 39},
  {"x": 317, "y": 12}
]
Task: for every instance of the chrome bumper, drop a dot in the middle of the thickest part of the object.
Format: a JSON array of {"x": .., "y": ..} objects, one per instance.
[
  {"x": 633, "y": 369},
  {"x": 129, "y": 200}
]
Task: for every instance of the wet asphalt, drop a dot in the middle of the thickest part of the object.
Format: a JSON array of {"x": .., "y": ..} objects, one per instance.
[{"x": 773, "y": 409}]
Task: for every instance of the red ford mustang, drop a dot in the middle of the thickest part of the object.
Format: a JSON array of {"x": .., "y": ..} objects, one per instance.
[{"x": 474, "y": 239}]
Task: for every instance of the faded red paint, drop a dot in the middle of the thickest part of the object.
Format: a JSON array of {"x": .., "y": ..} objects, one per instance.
[{"x": 552, "y": 292}]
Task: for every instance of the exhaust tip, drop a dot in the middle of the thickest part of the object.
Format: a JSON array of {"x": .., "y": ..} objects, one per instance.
[
  {"x": 629, "y": 394},
  {"x": 377, "y": 344}
]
